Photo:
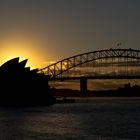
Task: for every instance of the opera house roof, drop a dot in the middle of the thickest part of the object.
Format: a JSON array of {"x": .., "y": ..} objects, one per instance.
[
  {"x": 14, "y": 67},
  {"x": 19, "y": 85}
]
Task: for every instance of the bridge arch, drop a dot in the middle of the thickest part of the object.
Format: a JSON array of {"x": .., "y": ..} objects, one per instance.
[{"x": 67, "y": 64}]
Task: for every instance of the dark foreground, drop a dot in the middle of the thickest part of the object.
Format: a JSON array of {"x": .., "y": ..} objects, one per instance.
[{"x": 99, "y": 119}]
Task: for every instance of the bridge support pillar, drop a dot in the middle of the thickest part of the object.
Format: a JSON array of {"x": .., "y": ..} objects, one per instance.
[{"x": 83, "y": 86}]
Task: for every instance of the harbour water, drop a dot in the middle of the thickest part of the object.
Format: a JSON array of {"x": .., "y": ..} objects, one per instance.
[{"x": 88, "y": 119}]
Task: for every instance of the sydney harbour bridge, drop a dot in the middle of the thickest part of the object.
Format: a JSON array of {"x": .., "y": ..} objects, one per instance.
[{"x": 102, "y": 64}]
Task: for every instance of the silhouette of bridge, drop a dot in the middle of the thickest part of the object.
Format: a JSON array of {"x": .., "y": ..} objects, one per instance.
[{"x": 102, "y": 64}]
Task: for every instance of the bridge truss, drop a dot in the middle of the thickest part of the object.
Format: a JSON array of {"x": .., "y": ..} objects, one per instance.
[{"x": 102, "y": 62}]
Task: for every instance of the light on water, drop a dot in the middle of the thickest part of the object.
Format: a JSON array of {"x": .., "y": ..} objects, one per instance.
[{"x": 99, "y": 119}]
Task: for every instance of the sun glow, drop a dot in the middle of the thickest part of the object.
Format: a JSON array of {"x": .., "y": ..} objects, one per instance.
[{"x": 12, "y": 49}]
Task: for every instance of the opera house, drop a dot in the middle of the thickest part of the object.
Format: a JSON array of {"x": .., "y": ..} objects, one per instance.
[{"x": 21, "y": 86}]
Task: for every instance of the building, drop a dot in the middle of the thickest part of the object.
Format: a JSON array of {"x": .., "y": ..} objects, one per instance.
[{"x": 22, "y": 86}]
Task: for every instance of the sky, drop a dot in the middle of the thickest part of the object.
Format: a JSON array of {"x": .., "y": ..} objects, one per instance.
[{"x": 45, "y": 31}]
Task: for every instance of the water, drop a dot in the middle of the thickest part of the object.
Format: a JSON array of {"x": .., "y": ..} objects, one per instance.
[{"x": 96, "y": 119}]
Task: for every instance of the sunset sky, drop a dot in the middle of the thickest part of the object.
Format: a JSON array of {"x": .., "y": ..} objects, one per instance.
[{"x": 49, "y": 30}]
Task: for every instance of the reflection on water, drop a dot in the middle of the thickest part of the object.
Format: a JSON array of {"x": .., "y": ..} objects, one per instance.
[{"x": 98, "y": 120}]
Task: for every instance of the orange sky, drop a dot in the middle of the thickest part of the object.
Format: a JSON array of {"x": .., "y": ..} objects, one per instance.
[
  {"x": 23, "y": 48},
  {"x": 50, "y": 30}
]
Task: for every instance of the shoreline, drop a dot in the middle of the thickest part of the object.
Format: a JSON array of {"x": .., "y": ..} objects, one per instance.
[{"x": 92, "y": 99}]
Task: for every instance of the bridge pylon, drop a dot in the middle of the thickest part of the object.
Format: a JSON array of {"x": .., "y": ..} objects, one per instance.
[{"x": 83, "y": 86}]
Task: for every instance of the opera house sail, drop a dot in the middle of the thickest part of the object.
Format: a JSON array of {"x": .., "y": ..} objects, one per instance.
[{"x": 22, "y": 86}]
